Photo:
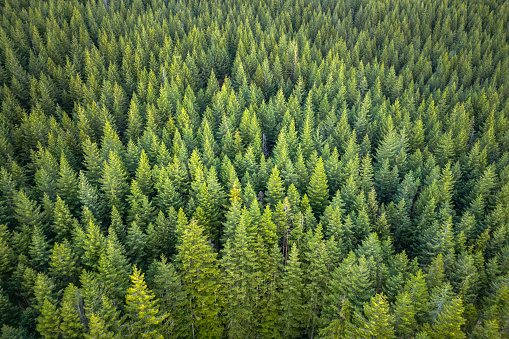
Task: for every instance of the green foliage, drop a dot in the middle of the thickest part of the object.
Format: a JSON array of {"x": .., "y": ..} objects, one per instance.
[
  {"x": 315, "y": 146},
  {"x": 48, "y": 322},
  {"x": 142, "y": 309},
  {"x": 200, "y": 282},
  {"x": 377, "y": 321},
  {"x": 318, "y": 191}
]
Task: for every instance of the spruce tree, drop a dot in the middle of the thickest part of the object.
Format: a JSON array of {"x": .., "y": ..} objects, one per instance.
[{"x": 114, "y": 268}]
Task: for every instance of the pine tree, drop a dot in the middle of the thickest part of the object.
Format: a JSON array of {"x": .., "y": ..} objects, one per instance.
[
  {"x": 168, "y": 289},
  {"x": 114, "y": 268},
  {"x": 93, "y": 161},
  {"x": 449, "y": 322},
  {"x": 89, "y": 196},
  {"x": 27, "y": 212},
  {"x": 136, "y": 243},
  {"x": 378, "y": 322},
  {"x": 93, "y": 245},
  {"x": 39, "y": 249},
  {"x": 48, "y": 323},
  {"x": 200, "y": 280},
  {"x": 318, "y": 191},
  {"x": 63, "y": 222},
  {"x": 239, "y": 267},
  {"x": 418, "y": 293},
  {"x": 404, "y": 315},
  {"x": 98, "y": 329},
  {"x": 143, "y": 309},
  {"x": 114, "y": 182},
  {"x": 144, "y": 175},
  {"x": 275, "y": 190},
  {"x": 67, "y": 184},
  {"x": 71, "y": 326},
  {"x": 291, "y": 297},
  {"x": 6, "y": 253},
  {"x": 63, "y": 263}
]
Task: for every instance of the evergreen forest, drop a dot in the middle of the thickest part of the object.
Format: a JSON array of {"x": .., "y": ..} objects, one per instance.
[{"x": 254, "y": 169}]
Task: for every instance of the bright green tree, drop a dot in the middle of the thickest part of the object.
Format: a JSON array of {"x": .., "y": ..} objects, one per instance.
[
  {"x": 275, "y": 190},
  {"x": 200, "y": 279},
  {"x": 71, "y": 326},
  {"x": 404, "y": 315},
  {"x": 449, "y": 321},
  {"x": 48, "y": 322},
  {"x": 63, "y": 262},
  {"x": 378, "y": 322},
  {"x": 142, "y": 309}
]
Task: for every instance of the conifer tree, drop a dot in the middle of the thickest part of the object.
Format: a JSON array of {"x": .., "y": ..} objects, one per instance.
[
  {"x": 450, "y": 320},
  {"x": 63, "y": 262},
  {"x": 291, "y": 297},
  {"x": 318, "y": 190},
  {"x": 378, "y": 322},
  {"x": 114, "y": 182},
  {"x": 63, "y": 223},
  {"x": 275, "y": 190},
  {"x": 67, "y": 184},
  {"x": 98, "y": 329},
  {"x": 240, "y": 268},
  {"x": 71, "y": 326},
  {"x": 114, "y": 268},
  {"x": 168, "y": 289},
  {"x": 93, "y": 245},
  {"x": 200, "y": 280},
  {"x": 6, "y": 253},
  {"x": 39, "y": 249},
  {"x": 143, "y": 309},
  {"x": 48, "y": 322},
  {"x": 404, "y": 315}
]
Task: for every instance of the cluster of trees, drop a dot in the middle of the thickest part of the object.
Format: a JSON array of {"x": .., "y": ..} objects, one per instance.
[{"x": 254, "y": 169}]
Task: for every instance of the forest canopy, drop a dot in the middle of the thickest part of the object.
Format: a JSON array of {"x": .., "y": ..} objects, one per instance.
[{"x": 254, "y": 169}]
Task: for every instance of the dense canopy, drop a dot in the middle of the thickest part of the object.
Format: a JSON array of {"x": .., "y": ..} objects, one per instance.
[{"x": 254, "y": 169}]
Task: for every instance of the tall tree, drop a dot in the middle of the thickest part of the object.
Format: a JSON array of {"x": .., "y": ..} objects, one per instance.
[
  {"x": 200, "y": 280},
  {"x": 143, "y": 309},
  {"x": 318, "y": 190}
]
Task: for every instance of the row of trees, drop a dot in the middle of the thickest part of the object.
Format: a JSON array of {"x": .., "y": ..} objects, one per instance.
[{"x": 254, "y": 169}]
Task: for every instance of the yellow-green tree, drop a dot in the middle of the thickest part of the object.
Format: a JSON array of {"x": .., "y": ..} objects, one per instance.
[{"x": 142, "y": 309}]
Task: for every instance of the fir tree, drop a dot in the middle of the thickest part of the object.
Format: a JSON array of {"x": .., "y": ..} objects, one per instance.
[
  {"x": 378, "y": 322},
  {"x": 200, "y": 280},
  {"x": 318, "y": 190},
  {"x": 291, "y": 297},
  {"x": 143, "y": 309}
]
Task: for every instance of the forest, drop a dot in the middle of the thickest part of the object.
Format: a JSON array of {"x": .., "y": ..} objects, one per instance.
[{"x": 254, "y": 169}]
